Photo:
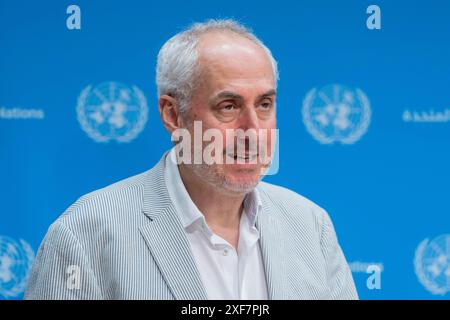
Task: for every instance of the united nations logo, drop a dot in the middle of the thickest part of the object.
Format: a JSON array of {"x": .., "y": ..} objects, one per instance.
[
  {"x": 16, "y": 259},
  {"x": 336, "y": 114},
  {"x": 432, "y": 264},
  {"x": 112, "y": 111}
]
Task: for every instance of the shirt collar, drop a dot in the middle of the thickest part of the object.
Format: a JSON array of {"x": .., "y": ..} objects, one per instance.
[{"x": 190, "y": 215}]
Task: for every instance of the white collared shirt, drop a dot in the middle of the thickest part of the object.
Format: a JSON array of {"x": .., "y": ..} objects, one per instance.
[{"x": 226, "y": 274}]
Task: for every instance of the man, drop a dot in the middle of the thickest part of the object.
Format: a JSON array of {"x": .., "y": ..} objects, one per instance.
[{"x": 199, "y": 229}]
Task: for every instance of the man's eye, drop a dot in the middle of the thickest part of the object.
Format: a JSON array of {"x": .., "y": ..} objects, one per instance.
[
  {"x": 266, "y": 105},
  {"x": 228, "y": 107}
]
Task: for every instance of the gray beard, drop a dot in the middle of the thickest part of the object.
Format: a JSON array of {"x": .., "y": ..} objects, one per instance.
[{"x": 204, "y": 172}]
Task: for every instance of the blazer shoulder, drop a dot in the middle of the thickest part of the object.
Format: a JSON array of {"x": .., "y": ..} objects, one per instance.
[
  {"x": 287, "y": 197},
  {"x": 110, "y": 204},
  {"x": 293, "y": 205}
]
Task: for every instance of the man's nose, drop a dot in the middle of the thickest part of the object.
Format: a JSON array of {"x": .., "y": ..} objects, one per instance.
[{"x": 248, "y": 119}]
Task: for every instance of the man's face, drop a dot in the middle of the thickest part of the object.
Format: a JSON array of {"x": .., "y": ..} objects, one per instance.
[{"x": 237, "y": 91}]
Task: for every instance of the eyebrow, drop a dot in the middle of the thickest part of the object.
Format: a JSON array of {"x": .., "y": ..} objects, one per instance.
[
  {"x": 233, "y": 95},
  {"x": 269, "y": 93}
]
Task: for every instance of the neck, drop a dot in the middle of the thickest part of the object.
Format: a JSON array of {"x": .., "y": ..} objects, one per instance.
[{"x": 221, "y": 209}]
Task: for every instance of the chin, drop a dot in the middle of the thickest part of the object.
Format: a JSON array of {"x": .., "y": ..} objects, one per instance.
[
  {"x": 229, "y": 179},
  {"x": 242, "y": 182}
]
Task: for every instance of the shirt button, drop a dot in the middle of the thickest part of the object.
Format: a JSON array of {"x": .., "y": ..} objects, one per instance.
[{"x": 225, "y": 252}]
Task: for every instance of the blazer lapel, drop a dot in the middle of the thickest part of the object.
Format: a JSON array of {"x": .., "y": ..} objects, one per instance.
[
  {"x": 167, "y": 241},
  {"x": 272, "y": 250}
]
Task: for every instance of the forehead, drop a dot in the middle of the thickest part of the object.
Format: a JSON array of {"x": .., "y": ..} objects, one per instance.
[{"x": 227, "y": 59}]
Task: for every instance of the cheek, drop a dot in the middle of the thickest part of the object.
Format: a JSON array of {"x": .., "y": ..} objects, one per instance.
[
  {"x": 271, "y": 132},
  {"x": 271, "y": 123}
]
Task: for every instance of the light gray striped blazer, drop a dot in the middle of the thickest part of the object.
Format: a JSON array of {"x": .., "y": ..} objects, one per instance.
[{"x": 126, "y": 241}]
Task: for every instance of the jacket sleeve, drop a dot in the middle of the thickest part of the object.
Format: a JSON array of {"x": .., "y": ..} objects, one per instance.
[
  {"x": 339, "y": 276},
  {"x": 62, "y": 270}
]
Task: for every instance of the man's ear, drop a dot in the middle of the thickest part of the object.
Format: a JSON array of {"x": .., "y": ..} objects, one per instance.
[{"x": 169, "y": 111}]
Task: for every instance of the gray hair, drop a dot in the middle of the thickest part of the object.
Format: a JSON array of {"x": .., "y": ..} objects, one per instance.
[{"x": 177, "y": 67}]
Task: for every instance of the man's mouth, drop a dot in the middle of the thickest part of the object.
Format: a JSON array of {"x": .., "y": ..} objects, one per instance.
[{"x": 243, "y": 157}]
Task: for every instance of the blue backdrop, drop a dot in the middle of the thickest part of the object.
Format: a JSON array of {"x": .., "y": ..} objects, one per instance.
[{"x": 387, "y": 191}]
